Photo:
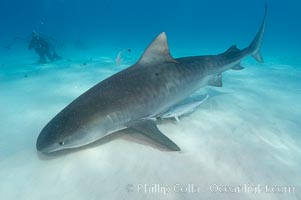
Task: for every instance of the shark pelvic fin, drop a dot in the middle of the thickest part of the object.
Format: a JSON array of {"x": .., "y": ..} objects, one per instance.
[
  {"x": 216, "y": 81},
  {"x": 149, "y": 128},
  {"x": 157, "y": 52}
]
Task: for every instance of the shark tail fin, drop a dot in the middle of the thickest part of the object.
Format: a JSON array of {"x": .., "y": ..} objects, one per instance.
[{"x": 257, "y": 41}]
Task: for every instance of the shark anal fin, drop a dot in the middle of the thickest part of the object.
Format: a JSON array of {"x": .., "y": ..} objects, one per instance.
[
  {"x": 149, "y": 128},
  {"x": 216, "y": 81},
  {"x": 238, "y": 67}
]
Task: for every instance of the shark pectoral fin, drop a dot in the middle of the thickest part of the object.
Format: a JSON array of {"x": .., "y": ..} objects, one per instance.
[
  {"x": 238, "y": 67},
  {"x": 216, "y": 81},
  {"x": 183, "y": 109},
  {"x": 149, "y": 128}
]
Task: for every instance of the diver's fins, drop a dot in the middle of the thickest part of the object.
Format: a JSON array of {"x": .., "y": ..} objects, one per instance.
[{"x": 149, "y": 128}]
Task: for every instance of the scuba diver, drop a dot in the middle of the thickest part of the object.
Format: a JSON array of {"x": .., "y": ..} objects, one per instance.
[{"x": 43, "y": 48}]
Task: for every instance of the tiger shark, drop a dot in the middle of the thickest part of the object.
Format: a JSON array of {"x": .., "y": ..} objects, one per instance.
[{"x": 137, "y": 96}]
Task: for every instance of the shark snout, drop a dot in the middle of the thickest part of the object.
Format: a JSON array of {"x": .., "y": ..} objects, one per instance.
[
  {"x": 45, "y": 142},
  {"x": 43, "y": 149},
  {"x": 46, "y": 148},
  {"x": 41, "y": 146}
]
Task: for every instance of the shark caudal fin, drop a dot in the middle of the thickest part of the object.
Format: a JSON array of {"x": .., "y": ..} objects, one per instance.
[{"x": 255, "y": 46}]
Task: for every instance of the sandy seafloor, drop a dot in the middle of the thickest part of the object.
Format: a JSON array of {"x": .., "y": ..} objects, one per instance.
[{"x": 247, "y": 132}]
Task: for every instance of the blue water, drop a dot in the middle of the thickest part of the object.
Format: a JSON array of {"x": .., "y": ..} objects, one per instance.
[
  {"x": 205, "y": 23},
  {"x": 247, "y": 132}
]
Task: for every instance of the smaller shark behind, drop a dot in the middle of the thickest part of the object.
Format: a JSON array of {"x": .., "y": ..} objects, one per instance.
[{"x": 135, "y": 97}]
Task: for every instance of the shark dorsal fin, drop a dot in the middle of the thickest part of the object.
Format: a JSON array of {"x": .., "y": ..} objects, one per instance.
[{"x": 157, "y": 51}]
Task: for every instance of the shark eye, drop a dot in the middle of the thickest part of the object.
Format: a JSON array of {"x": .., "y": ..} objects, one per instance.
[{"x": 61, "y": 143}]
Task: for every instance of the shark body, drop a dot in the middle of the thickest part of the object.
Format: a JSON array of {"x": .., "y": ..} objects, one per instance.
[{"x": 135, "y": 97}]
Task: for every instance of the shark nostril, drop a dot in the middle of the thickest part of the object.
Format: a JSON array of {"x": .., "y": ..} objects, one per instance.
[{"x": 61, "y": 143}]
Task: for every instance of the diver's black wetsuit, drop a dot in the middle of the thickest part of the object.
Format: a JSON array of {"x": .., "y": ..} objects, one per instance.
[{"x": 42, "y": 48}]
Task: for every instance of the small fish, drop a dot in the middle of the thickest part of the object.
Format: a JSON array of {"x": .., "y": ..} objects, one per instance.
[{"x": 119, "y": 56}]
